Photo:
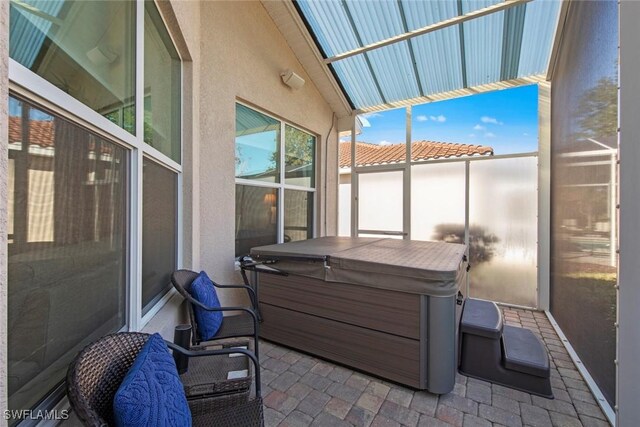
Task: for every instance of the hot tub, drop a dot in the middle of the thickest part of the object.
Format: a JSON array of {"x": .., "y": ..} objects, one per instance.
[{"x": 384, "y": 306}]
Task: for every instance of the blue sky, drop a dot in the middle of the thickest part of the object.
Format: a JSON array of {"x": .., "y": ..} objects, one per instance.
[
  {"x": 15, "y": 109},
  {"x": 506, "y": 120}
]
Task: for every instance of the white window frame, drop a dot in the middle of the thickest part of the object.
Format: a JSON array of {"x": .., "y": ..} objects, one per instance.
[
  {"x": 36, "y": 89},
  {"x": 282, "y": 186}
]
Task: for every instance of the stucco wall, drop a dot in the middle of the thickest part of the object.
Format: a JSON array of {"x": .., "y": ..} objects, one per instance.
[
  {"x": 234, "y": 51},
  {"x": 4, "y": 132},
  {"x": 173, "y": 313},
  {"x": 242, "y": 56}
]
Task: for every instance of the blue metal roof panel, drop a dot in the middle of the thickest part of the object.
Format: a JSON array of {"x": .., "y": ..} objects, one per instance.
[
  {"x": 424, "y": 13},
  {"x": 357, "y": 80},
  {"x": 539, "y": 28},
  {"x": 483, "y": 48},
  {"x": 394, "y": 70},
  {"x": 376, "y": 20},
  {"x": 438, "y": 59},
  {"x": 496, "y": 47},
  {"x": 471, "y": 5},
  {"x": 331, "y": 26}
]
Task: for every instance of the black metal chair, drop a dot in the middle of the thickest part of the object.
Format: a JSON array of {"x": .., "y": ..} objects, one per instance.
[
  {"x": 244, "y": 324},
  {"x": 97, "y": 371}
]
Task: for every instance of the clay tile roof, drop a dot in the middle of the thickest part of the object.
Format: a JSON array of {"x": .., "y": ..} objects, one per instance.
[
  {"x": 372, "y": 154},
  {"x": 41, "y": 132}
]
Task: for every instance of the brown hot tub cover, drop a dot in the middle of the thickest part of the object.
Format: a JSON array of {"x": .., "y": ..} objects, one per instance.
[{"x": 428, "y": 268}]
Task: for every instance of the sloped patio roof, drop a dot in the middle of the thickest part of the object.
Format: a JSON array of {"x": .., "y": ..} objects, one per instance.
[{"x": 391, "y": 53}]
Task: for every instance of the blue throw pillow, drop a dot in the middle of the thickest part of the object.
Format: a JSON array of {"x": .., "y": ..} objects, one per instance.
[
  {"x": 151, "y": 393},
  {"x": 209, "y": 322}
]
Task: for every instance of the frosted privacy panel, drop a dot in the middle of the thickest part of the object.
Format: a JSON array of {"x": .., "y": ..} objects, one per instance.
[
  {"x": 583, "y": 205},
  {"x": 503, "y": 230},
  {"x": 344, "y": 205},
  {"x": 437, "y": 202},
  {"x": 380, "y": 201}
]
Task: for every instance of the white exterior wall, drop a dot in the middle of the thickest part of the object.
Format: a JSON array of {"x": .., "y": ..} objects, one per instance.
[{"x": 4, "y": 131}]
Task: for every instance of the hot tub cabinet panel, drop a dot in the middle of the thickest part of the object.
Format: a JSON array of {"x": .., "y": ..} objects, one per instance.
[
  {"x": 383, "y": 306},
  {"x": 385, "y": 355},
  {"x": 391, "y": 312}
]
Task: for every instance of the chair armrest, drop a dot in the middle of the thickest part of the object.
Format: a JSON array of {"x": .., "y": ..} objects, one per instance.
[
  {"x": 221, "y": 352},
  {"x": 245, "y": 309},
  {"x": 248, "y": 288}
]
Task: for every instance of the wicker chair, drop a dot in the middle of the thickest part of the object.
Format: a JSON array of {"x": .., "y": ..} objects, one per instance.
[
  {"x": 97, "y": 371},
  {"x": 241, "y": 325}
]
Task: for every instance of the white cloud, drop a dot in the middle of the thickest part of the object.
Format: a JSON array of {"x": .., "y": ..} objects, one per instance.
[
  {"x": 492, "y": 120},
  {"x": 439, "y": 118},
  {"x": 385, "y": 142},
  {"x": 479, "y": 127},
  {"x": 490, "y": 135},
  {"x": 422, "y": 118}
]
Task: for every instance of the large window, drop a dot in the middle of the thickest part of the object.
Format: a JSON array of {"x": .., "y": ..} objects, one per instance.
[
  {"x": 162, "y": 117},
  {"x": 93, "y": 192},
  {"x": 159, "y": 231},
  {"x": 162, "y": 114},
  {"x": 67, "y": 250},
  {"x": 86, "y": 49},
  {"x": 275, "y": 181}
]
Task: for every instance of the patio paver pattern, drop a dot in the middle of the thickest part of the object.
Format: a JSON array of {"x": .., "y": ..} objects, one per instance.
[{"x": 300, "y": 390}]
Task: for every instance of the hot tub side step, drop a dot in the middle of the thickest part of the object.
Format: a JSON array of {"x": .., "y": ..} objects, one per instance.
[
  {"x": 505, "y": 355},
  {"x": 481, "y": 318},
  {"x": 524, "y": 352}
]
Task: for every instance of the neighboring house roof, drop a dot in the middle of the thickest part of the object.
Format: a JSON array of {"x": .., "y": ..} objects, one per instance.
[
  {"x": 41, "y": 132},
  {"x": 373, "y": 154}
]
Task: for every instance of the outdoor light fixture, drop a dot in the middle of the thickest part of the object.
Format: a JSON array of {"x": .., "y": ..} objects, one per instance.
[{"x": 291, "y": 79}]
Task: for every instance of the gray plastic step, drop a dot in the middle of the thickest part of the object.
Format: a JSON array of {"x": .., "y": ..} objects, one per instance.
[
  {"x": 481, "y": 318},
  {"x": 524, "y": 352}
]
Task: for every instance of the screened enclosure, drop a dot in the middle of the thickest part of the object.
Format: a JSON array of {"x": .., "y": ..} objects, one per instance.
[{"x": 584, "y": 189}]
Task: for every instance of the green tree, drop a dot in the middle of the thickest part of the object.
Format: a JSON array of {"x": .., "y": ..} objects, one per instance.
[
  {"x": 598, "y": 110},
  {"x": 299, "y": 147}
]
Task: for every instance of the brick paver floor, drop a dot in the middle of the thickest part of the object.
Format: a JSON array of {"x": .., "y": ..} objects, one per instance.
[{"x": 300, "y": 390}]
